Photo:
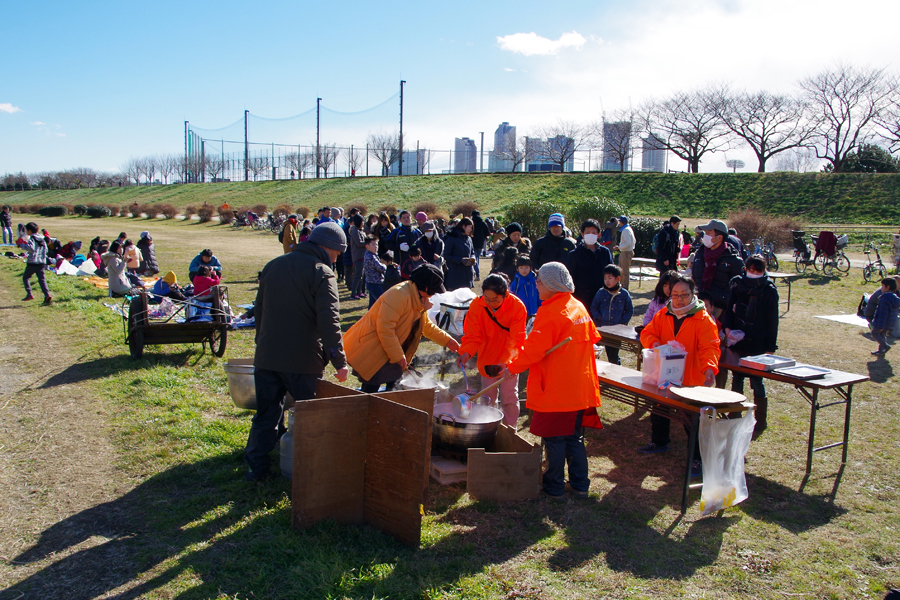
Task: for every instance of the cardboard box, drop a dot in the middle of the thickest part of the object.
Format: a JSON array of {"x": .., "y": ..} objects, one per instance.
[{"x": 508, "y": 470}]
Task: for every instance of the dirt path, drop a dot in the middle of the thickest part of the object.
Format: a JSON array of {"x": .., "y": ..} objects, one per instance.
[{"x": 56, "y": 459}]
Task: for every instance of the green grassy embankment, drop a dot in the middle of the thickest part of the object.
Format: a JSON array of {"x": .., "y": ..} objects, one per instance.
[{"x": 814, "y": 197}]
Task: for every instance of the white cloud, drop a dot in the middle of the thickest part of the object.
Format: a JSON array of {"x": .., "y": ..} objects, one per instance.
[
  {"x": 60, "y": 135},
  {"x": 39, "y": 123},
  {"x": 530, "y": 44},
  {"x": 508, "y": 70},
  {"x": 9, "y": 108}
]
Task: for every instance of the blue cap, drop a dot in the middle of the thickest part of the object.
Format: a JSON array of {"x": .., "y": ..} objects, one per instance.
[
  {"x": 556, "y": 219},
  {"x": 623, "y": 219}
]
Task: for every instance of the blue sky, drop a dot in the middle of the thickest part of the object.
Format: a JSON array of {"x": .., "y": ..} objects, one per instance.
[{"x": 93, "y": 83}]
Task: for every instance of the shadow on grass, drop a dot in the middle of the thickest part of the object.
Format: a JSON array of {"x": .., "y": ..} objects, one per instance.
[
  {"x": 99, "y": 368},
  {"x": 880, "y": 369}
]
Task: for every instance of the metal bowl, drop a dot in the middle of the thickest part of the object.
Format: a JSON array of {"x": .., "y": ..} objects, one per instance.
[
  {"x": 457, "y": 434},
  {"x": 240, "y": 382}
]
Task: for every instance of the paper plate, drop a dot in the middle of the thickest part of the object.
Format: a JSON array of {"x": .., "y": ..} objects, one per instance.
[{"x": 708, "y": 396}]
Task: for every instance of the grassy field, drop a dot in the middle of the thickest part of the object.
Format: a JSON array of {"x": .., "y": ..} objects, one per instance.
[
  {"x": 814, "y": 197},
  {"x": 174, "y": 518}
]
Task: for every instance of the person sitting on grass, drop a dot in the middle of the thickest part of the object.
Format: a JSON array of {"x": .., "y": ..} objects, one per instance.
[
  {"x": 885, "y": 314},
  {"x": 205, "y": 280},
  {"x": 167, "y": 287},
  {"x": 204, "y": 258},
  {"x": 612, "y": 305},
  {"x": 119, "y": 282}
]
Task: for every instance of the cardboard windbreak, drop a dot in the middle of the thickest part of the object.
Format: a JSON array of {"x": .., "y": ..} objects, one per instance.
[
  {"x": 508, "y": 470},
  {"x": 362, "y": 459}
]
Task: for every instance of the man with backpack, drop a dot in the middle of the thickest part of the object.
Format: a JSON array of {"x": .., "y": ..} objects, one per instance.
[{"x": 667, "y": 245}]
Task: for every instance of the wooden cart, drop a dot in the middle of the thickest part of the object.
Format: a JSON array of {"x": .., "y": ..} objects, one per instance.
[{"x": 141, "y": 329}]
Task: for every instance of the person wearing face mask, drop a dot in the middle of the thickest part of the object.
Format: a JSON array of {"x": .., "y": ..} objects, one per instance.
[
  {"x": 402, "y": 238},
  {"x": 399, "y": 319},
  {"x": 753, "y": 309},
  {"x": 716, "y": 263},
  {"x": 685, "y": 320},
  {"x": 431, "y": 244},
  {"x": 587, "y": 261}
]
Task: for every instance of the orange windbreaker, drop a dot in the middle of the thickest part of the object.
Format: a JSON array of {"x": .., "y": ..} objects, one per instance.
[
  {"x": 565, "y": 380},
  {"x": 698, "y": 334},
  {"x": 481, "y": 335}
]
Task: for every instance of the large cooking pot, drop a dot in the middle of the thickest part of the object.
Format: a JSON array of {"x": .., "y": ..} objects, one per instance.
[
  {"x": 457, "y": 434},
  {"x": 241, "y": 383}
]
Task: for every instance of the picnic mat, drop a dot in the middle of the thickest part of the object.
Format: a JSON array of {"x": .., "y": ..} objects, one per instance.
[
  {"x": 849, "y": 319},
  {"x": 103, "y": 283}
]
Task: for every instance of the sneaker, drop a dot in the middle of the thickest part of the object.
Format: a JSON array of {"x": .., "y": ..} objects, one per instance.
[
  {"x": 697, "y": 468},
  {"x": 876, "y": 353},
  {"x": 48, "y": 300},
  {"x": 28, "y": 297},
  {"x": 576, "y": 493},
  {"x": 558, "y": 498},
  {"x": 652, "y": 448}
]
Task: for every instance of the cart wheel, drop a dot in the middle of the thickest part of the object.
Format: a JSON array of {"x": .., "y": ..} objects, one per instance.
[
  {"x": 217, "y": 341},
  {"x": 135, "y": 333}
]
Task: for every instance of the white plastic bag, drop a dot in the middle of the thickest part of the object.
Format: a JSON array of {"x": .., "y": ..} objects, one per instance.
[
  {"x": 664, "y": 364},
  {"x": 444, "y": 313},
  {"x": 723, "y": 445}
]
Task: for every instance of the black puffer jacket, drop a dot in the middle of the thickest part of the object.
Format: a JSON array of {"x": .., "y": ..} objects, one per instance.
[
  {"x": 551, "y": 249},
  {"x": 148, "y": 257},
  {"x": 458, "y": 246},
  {"x": 586, "y": 267},
  {"x": 753, "y": 309},
  {"x": 480, "y": 230},
  {"x": 728, "y": 266}
]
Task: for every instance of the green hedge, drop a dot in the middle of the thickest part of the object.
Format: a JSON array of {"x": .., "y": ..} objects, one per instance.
[
  {"x": 98, "y": 211},
  {"x": 53, "y": 211}
]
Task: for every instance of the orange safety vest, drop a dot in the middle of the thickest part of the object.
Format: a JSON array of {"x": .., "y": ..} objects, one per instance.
[{"x": 488, "y": 339}]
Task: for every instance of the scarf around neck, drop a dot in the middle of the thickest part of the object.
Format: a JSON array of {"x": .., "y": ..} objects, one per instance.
[
  {"x": 695, "y": 305},
  {"x": 710, "y": 258}
]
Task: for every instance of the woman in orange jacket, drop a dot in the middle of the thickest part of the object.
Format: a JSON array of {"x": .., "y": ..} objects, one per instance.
[
  {"x": 494, "y": 329},
  {"x": 685, "y": 320},
  {"x": 563, "y": 390}
]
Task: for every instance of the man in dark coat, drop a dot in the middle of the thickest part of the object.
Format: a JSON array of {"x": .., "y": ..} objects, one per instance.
[
  {"x": 480, "y": 233},
  {"x": 554, "y": 246},
  {"x": 402, "y": 238},
  {"x": 586, "y": 263},
  {"x": 668, "y": 247},
  {"x": 148, "y": 265},
  {"x": 716, "y": 263},
  {"x": 298, "y": 332}
]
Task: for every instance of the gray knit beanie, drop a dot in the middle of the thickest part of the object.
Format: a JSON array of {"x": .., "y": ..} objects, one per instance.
[
  {"x": 329, "y": 235},
  {"x": 556, "y": 278}
]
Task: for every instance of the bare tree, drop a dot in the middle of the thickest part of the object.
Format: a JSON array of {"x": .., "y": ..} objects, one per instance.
[
  {"x": 846, "y": 103},
  {"x": 168, "y": 164},
  {"x": 889, "y": 121},
  {"x": 687, "y": 124},
  {"x": 258, "y": 165},
  {"x": 149, "y": 167},
  {"x": 563, "y": 140},
  {"x": 214, "y": 167},
  {"x": 355, "y": 160},
  {"x": 768, "y": 123},
  {"x": 299, "y": 161},
  {"x": 385, "y": 148},
  {"x": 515, "y": 152},
  {"x": 617, "y": 137},
  {"x": 133, "y": 169},
  {"x": 328, "y": 155}
]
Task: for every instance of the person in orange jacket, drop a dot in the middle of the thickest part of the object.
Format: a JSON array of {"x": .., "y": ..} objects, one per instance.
[
  {"x": 684, "y": 319},
  {"x": 563, "y": 390},
  {"x": 494, "y": 329}
]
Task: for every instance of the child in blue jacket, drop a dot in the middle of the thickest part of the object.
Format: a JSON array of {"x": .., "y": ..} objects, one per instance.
[
  {"x": 524, "y": 286},
  {"x": 612, "y": 305},
  {"x": 885, "y": 314}
]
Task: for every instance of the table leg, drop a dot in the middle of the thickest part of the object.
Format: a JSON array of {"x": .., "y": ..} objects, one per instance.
[
  {"x": 847, "y": 425},
  {"x": 789, "y": 295},
  {"x": 692, "y": 441},
  {"x": 812, "y": 428}
]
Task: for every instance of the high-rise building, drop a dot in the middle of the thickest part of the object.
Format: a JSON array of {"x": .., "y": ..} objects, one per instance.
[
  {"x": 542, "y": 154},
  {"x": 413, "y": 163},
  {"x": 653, "y": 154},
  {"x": 466, "y": 155},
  {"x": 616, "y": 143},
  {"x": 504, "y": 144}
]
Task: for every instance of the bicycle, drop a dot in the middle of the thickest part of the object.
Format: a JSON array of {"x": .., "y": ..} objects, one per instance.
[
  {"x": 828, "y": 263},
  {"x": 874, "y": 268},
  {"x": 803, "y": 252},
  {"x": 767, "y": 251}
]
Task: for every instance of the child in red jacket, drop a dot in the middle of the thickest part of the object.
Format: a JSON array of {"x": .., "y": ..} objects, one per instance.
[{"x": 205, "y": 280}]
